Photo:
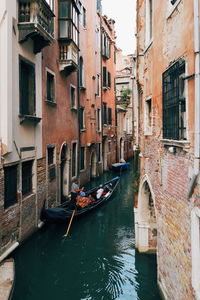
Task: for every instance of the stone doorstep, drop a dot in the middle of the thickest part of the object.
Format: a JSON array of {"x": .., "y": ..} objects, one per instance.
[{"x": 6, "y": 278}]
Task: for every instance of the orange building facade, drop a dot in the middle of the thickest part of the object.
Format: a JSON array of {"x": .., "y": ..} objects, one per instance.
[{"x": 108, "y": 92}]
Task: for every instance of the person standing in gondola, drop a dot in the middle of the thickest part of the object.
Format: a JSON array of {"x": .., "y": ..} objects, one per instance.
[{"x": 75, "y": 190}]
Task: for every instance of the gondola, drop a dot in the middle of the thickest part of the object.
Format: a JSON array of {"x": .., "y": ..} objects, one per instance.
[
  {"x": 118, "y": 167},
  {"x": 64, "y": 211}
]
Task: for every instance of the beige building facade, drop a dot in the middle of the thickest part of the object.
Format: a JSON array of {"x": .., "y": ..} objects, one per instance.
[{"x": 167, "y": 213}]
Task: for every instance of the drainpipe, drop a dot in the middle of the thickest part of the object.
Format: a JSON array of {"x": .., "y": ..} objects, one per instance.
[
  {"x": 197, "y": 88},
  {"x": 78, "y": 98}
]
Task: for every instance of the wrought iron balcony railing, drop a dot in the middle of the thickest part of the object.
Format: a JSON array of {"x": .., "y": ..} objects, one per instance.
[{"x": 36, "y": 21}]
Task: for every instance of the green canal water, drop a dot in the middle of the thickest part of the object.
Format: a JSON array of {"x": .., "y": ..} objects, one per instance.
[{"x": 97, "y": 261}]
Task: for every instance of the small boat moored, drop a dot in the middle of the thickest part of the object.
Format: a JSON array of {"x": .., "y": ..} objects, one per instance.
[
  {"x": 64, "y": 211},
  {"x": 118, "y": 167}
]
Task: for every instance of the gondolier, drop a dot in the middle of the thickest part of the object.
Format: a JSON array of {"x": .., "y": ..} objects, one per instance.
[{"x": 75, "y": 190}]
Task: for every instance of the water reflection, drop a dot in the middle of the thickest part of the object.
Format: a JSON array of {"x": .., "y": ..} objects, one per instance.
[{"x": 97, "y": 261}]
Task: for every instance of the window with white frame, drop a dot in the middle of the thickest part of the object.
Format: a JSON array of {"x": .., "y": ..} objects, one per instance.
[
  {"x": 98, "y": 85},
  {"x": 148, "y": 116},
  {"x": 148, "y": 22},
  {"x": 27, "y": 173},
  {"x": 73, "y": 97}
]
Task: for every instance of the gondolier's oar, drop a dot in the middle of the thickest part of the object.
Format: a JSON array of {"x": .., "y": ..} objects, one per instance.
[{"x": 68, "y": 228}]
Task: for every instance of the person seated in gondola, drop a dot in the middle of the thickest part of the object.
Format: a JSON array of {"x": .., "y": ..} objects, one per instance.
[
  {"x": 99, "y": 192},
  {"x": 82, "y": 201}
]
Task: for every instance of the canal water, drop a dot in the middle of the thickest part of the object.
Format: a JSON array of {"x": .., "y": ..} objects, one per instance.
[{"x": 97, "y": 261}]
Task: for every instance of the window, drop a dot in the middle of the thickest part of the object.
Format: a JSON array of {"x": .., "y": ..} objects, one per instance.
[
  {"x": 82, "y": 118},
  {"x": 99, "y": 5},
  {"x": 51, "y": 165},
  {"x": 68, "y": 20},
  {"x": 174, "y": 102},
  {"x": 148, "y": 115},
  {"x": 104, "y": 113},
  {"x": 10, "y": 186},
  {"x": 73, "y": 96},
  {"x": 109, "y": 80},
  {"x": 104, "y": 77},
  {"x": 109, "y": 116},
  {"x": 27, "y": 177},
  {"x": 81, "y": 72},
  {"x": 74, "y": 159},
  {"x": 105, "y": 46},
  {"x": 50, "y": 155},
  {"x": 27, "y": 87},
  {"x": 149, "y": 21},
  {"x": 98, "y": 119},
  {"x": 50, "y": 87},
  {"x": 84, "y": 17},
  {"x": 99, "y": 152},
  {"x": 82, "y": 160}
]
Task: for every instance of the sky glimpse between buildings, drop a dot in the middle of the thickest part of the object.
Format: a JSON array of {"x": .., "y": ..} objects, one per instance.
[{"x": 123, "y": 12}]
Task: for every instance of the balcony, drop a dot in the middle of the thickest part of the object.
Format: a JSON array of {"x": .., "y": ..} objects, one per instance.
[
  {"x": 36, "y": 21},
  {"x": 68, "y": 58}
]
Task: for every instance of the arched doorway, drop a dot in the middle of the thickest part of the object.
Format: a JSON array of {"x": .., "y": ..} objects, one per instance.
[
  {"x": 93, "y": 165},
  {"x": 64, "y": 172},
  {"x": 145, "y": 219}
]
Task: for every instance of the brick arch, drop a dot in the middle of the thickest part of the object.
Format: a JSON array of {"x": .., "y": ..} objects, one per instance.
[{"x": 146, "y": 227}]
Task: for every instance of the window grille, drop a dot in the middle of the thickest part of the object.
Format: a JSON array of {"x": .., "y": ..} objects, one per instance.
[
  {"x": 174, "y": 104},
  {"x": 10, "y": 186},
  {"x": 52, "y": 173},
  {"x": 27, "y": 177}
]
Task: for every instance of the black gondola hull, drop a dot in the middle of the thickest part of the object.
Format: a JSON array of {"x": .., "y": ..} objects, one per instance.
[{"x": 62, "y": 212}]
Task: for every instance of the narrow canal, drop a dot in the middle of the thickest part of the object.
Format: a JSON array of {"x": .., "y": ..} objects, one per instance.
[{"x": 97, "y": 261}]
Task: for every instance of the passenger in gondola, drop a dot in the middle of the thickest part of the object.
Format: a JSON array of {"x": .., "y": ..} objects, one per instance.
[{"x": 99, "y": 192}]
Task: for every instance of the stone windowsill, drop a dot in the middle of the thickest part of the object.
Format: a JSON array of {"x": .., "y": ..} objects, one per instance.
[
  {"x": 51, "y": 103},
  {"x": 83, "y": 130},
  {"x": 29, "y": 119},
  {"x": 176, "y": 143}
]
